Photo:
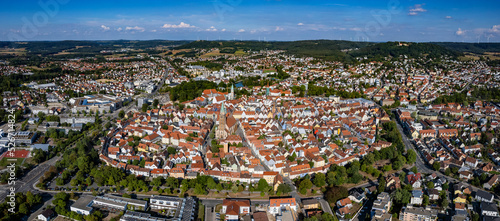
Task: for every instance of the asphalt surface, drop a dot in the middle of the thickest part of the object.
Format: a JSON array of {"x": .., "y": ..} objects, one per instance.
[{"x": 26, "y": 183}]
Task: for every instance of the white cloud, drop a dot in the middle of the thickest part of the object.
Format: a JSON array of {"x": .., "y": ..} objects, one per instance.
[
  {"x": 355, "y": 29},
  {"x": 119, "y": 29},
  {"x": 241, "y": 30},
  {"x": 180, "y": 25},
  {"x": 104, "y": 27},
  {"x": 223, "y": 29},
  {"x": 136, "y": 28},
  {"x": 494, "y": 29},
  {"x": 278, "y": 28},
  {"x": 154, "y": 30},
  {"x": 212, "y": 28},
  {"x": 448, "y": 17},
  {"x": 460, "y": 32},
  {"x": 416, "y": 9},
  {"x": 300, "y": 24}
]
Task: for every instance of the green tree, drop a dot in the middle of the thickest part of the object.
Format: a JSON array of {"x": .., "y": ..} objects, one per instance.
[
  {"x": 436, "y": 165},
  {"x": 401, "y": 196},
  {"x": 319, "y": 179},
  {"x": 211, "y": 184},
  {"x": 305, "y": 185},
  {"x": 430, "y": 184},
  {"x": 158, "y": 181},
  {"x": 327, "y": 217},
  {"x": 333, "y": 194},
  {"x": 411, "y": 156},
  {"x": 284, "y": 188},
  {"x": 387, "y": 168},
  {"x": 24, "y": 209},
  {"x": 171, "y": 150},
  {"x": 425, "y": 201},
  {"x": 144, "y": 107},
  {"x": 172, "y": 182},
  {"x": 262, "y": 185},
  {"x": 121, "y": 114}
]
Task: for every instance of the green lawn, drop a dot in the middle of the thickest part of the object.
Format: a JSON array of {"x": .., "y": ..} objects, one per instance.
[
  {"x": 201, "y": 212},
  {"x": 4, "y": 162}
]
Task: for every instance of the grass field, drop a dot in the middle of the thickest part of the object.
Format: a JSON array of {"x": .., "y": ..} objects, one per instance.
[
  {"x": 240, "y": 53},
  {"x": 212, "y": 53},
  {"x": 106, "y": 80},
  {"x": 174, "y": 52},
  {"x": 471, "y": 56},
  {"x": 4, "y": 162},
  {"x": 269, "y": 70},
  {"x": 13, "y": 51}
]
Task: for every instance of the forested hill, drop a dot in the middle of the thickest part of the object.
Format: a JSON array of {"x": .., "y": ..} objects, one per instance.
[
  {"x": 85, "y": 48},
  {"x": 476, "y": 48},
  {"x": 396, "y": 49},
  {"x": 324, "y": 49},
  {"x": 332, "y": 49}
]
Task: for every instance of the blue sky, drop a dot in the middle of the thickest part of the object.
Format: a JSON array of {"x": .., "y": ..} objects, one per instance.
[{"x": 380, "y": 20}]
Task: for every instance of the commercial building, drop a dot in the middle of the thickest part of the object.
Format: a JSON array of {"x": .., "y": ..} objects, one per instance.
[
  {"x": 138, "y": 216},
  {"x": 83, "y": 205},
  {"x": 119, "y": 203},
  {"x": 164, "y": 202}
]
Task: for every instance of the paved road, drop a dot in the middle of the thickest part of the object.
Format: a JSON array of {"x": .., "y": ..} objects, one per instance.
[
  {"x": 25, "y": 183},
  {"x": 420, "y": 163},
  {"x": 209, "y": 215},
  {"x": 326, "y": 206}
]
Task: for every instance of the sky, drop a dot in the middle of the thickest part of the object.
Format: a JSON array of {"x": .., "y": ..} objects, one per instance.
[{"x": 270, "y": 20}]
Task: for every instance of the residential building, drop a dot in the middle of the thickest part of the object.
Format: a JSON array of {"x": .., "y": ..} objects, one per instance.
[
  {"x": 234, "y": 207},
  {"x": 277, "y": 205},
  {"x": 417, "y": 213}
]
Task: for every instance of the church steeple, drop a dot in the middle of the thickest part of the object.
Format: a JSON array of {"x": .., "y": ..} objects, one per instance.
[
  {"x": 232, "y": 91},
  {"x": 221, "y": 129},
  {"x": 222, "y": 109}
]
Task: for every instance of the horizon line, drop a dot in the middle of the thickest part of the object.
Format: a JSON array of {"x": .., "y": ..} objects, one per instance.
[{"x": 257, "y": 40}]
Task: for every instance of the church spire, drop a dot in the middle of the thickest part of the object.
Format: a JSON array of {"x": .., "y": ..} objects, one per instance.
[
  {"x": 232, "y": 91},
  {"x": 222, "y": 109}
]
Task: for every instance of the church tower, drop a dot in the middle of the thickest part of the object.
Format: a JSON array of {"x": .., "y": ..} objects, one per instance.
[
  {"x": 221, "y": 129},
  {"x": 232, "y": 92}
]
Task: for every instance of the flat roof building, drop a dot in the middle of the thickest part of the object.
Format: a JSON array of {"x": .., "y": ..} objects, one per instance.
[{"x": 83, "y": 205}]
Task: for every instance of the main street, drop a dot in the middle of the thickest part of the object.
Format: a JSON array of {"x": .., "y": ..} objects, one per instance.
[{"x": 419, "y": 163}]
